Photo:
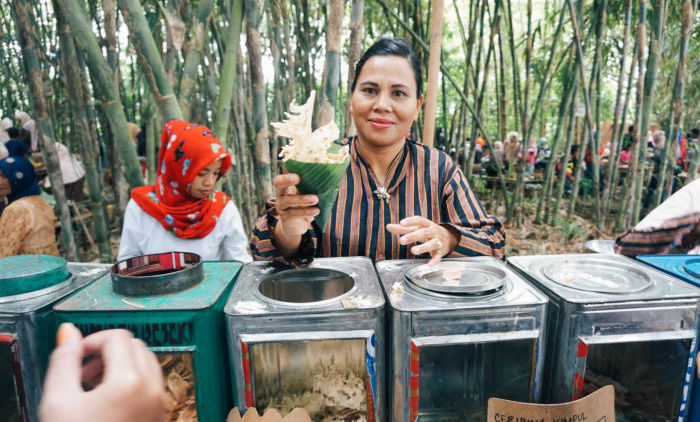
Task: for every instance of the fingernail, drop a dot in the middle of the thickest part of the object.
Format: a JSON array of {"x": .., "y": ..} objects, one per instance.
[
  {"x": 414, "y": 250},
  {"x": 67, "y": 332},
  {"x": 402, "y": 241},
  {"x": 403, "y": 222}
]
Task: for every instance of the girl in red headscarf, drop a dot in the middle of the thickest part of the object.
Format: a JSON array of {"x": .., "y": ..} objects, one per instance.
[{"x": 182, "y": 211}]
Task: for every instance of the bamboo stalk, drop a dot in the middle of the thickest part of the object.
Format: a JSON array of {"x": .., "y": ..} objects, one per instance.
[
  {"x": 149, "y": 58},
  {"x": 431, "y": 94},
  {"x": 102, "y": 81},
  {"x": 198, "y": 36},
  {"x": 81, "y": 130},
  {"x": 677, "y": 107},
  {"x": 23, "y": 16},
  {"x": 262, "y": 141}
]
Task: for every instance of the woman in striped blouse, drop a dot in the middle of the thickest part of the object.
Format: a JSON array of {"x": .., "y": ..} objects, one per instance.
[{"x": 398, "y": 198}]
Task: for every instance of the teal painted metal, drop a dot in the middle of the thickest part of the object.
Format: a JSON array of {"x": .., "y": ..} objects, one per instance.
[
  {"x": 189, "y": 322},
  {"x": 27, "y": 321},
  {"x": 26, "y": 273}
]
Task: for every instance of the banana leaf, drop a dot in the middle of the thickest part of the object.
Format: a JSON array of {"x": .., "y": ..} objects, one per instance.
[{"x": 319, "y": 179}]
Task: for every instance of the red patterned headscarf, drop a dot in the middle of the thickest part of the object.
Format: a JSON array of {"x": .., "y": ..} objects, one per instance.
[{"x": 185, "y": 150}]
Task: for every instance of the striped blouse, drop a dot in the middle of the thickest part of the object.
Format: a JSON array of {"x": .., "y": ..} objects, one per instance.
[
  {"x": 423, "y": 181},
  {"x": 674, "y": 236}
]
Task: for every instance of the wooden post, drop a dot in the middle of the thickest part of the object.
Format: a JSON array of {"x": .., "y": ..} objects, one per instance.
[{"x": 433, "y": 72}]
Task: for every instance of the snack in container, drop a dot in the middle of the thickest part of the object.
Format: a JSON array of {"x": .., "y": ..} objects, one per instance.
[{"x": 315, "y": 156}]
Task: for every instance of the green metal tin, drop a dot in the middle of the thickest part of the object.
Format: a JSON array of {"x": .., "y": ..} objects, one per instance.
[
  {"x": 27, "y": 273},
  {"x": 189, "y": 324}
]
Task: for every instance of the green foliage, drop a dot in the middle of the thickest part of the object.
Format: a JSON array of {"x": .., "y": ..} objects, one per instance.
[{"x": 570, "y": 229}]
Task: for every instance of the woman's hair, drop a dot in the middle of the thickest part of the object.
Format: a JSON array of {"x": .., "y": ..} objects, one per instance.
[{"x": 391, "y": 47}]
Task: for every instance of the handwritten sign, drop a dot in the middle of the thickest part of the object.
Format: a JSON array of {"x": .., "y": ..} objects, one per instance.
[{"x": 596, "y": 407}]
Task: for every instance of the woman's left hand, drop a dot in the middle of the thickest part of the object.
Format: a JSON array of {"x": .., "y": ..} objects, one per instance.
[{"x": 429, "y": 237}]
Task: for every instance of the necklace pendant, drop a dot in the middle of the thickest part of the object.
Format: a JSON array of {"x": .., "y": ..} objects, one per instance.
[{"x": 382, "y": 193}]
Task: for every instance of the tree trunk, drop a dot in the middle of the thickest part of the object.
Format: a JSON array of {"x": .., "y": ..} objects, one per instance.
[
  {"x": 613, "y": 157},
  {"x": 674, "y": 130},
  {"x": 101, "y": 76},
  {"x": 565, "y": 158},
  {"x": 198, "y": 36},
  {"x": 624, "y": 217},
  {"x": 431, "y": 94},
  {"x": 334, "y": 29},
  {"x": 149, "y": 57},
  {"x": 228, "y": 76},
  {"x": 354, "y": 53},
  {"x": 81, "y": 130},
  {"x": 26, "y": 32},
  {"x": 262, "y": 141},
  {"x": 655, "y": 49}
]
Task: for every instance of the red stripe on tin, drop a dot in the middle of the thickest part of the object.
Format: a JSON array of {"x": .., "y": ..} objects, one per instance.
[
  {"x": 582, "y": 349},
  {"x": 247, "y": 385},
  {"x": 370, "y": 400},
  {"x": 578, "y": 382},
  {"x": 415, "y": 368}
]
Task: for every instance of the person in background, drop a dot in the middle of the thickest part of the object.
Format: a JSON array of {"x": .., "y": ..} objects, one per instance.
[
  {"x": 21, "y": 135},
  {"x": 17, "y": 148},
  {"x": 182, "y": 211},
  {"x": 693, "y": 136},
  {"x": 530, "y": 158},
  {"x": 397, "y": 199},
  {"x": 27, "y": 224},
  {"x": 671, "y": 228},
  {"x": 499, "y": 153},
  {"x": 28, "y": 124},
  {"x": 5, "y": 125},
  {"x": 543, "y": 154},
  {"x": 72, "y": 173},
  {"x": 3, "y": 151},
  {"x": 511, "y": 147},
  {"x": 108, "y": 376}
]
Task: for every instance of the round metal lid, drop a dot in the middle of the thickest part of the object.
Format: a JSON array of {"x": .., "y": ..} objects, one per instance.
[
  {"x": 692, "y": 267},
  {"x": 157, "y": 274},
  {"x": 457, "y": 277},
  {"x": 27, "y": 273},
  {"x": 598, "y": 276}
]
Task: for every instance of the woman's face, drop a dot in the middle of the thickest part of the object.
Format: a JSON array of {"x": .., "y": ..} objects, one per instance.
[
  {"x": 5, "y": 188},
  {"x": 203, "y": 184},
  {"x": 384, "y": 103}
]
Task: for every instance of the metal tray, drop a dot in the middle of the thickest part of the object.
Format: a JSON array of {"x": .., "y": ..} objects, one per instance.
[
  {"x": 454, "y": 277},
  {"x": 600, "y": 276}
]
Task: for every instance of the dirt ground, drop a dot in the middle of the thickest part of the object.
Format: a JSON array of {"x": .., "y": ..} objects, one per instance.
[{"x": 542, "y": 239}]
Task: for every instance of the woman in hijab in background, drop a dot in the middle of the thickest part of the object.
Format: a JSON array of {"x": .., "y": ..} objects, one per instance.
[
  {"x": 28, "y": 223},
  {"x": 183, "y": 211}
]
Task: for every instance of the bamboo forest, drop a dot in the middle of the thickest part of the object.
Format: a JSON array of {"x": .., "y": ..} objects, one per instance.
[{"x": 570, "y": 119}]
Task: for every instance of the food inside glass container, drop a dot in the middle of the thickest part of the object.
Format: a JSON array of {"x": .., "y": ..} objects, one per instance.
[
  {"x": 178, "y": 378},
  {"x": 327, "y": 378}
]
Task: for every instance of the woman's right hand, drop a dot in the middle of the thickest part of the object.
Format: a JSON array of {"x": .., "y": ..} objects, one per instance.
[{"x": 295, "y": 213}]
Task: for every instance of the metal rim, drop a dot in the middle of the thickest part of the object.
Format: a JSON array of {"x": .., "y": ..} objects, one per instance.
[
  {"x": 692, "y": 267},
  {"x": 37, "y": 293},
  {"x": 495, "y": 278},
  {"x": 305, "y": 304},
  {"x": 607, "y": 267},
  {"x": 169, "y": 273}
]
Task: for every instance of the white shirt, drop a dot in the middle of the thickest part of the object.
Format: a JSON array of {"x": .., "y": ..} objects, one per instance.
[{"x": 144, "y": 235}]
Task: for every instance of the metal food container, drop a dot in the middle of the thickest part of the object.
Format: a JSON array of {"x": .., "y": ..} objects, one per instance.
[
  {"x": 461, "y": 332},
  {"x": 615, "y": 321},
  {"x": 29, "y": 286},
  {"x": 310, "y": 337},
  {"x": 182, "y": 322}
]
